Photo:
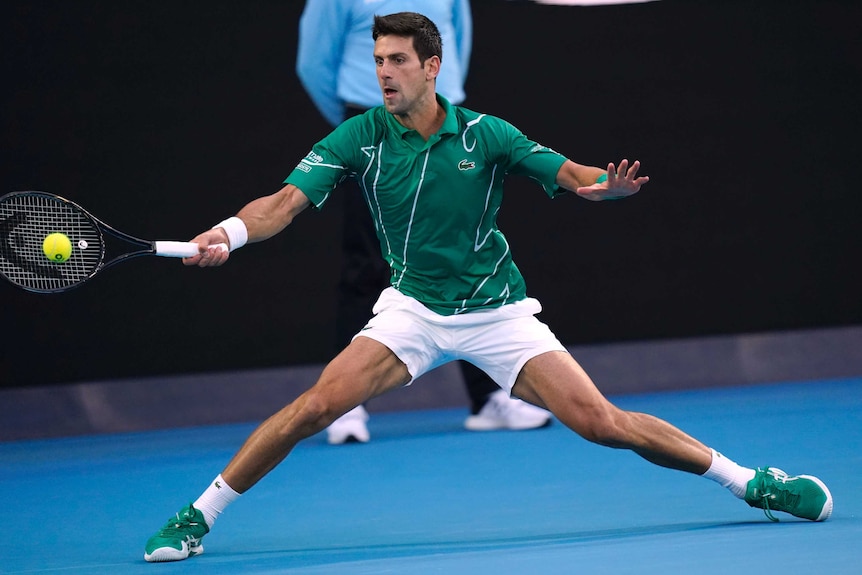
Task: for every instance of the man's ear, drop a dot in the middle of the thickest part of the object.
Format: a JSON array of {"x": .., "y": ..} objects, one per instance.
[{"x": 432, "y": 67}]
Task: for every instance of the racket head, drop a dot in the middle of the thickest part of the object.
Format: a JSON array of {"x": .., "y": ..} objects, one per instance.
[{"x": 26, "y": 218}]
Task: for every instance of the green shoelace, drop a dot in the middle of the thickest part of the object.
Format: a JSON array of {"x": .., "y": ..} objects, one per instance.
[{"x": 782, "y": 499}]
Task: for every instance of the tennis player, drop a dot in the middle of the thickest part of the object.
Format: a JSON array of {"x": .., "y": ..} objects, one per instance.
[
  {"x": 335, "y": 67},
  {"x": 432, "y": 174}
]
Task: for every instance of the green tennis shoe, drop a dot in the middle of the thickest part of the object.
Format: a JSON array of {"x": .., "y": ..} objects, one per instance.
[
  {"x": 803, "y": 496},
  {"x": 180, "y": 538}
]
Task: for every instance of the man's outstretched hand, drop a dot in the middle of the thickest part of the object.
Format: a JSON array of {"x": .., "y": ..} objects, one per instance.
[{"x": 622, "y": 182}]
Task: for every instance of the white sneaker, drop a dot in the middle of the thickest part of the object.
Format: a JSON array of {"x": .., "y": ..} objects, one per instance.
[
  {"x": 349, "y": 428},
  {"x": 504, "y": 412}
]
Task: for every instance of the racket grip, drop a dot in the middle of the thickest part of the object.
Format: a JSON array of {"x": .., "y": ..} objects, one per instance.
[{"x": 181, "y": 249}]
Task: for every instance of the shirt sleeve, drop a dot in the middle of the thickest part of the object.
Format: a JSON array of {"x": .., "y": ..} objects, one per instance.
[
  {"x": 525, "y": 157},
  {"x": 326, "y": 165},
  {"x": 542, "y": 164}
]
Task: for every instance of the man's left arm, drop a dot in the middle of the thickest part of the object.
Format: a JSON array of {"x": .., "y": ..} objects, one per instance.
[
  {"x": 595, "y": 184},
  {"x": 463, "y": 21},
  {"x": 322, "y": 28}
]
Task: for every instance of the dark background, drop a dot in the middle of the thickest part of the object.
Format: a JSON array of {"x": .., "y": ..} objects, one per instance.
[{"x": 162, "y": 118}]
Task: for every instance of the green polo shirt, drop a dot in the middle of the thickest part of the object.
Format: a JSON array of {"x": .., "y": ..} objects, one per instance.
[{"x": 434, "y": 203}]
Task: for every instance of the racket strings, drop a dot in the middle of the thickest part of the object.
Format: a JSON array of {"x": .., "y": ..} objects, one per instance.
[{"x": 25, "y": 220}]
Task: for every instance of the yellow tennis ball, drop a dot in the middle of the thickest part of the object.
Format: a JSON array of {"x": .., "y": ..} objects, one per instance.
[{"x": 57, "y": 247}]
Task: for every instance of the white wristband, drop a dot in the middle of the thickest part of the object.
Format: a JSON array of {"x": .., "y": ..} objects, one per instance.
[{"x": 237, "y": 233}]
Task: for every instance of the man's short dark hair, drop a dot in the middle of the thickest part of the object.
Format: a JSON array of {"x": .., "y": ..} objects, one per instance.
[{"x": 426, "y": 37}]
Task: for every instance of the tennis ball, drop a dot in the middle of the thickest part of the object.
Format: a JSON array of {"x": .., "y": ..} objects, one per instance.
[{"x": 57, "y": 247}]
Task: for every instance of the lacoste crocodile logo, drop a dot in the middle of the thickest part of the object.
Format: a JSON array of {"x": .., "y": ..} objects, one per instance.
[{"x": 465, "y": 165}]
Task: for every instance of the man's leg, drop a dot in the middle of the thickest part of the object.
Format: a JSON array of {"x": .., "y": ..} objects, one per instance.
[
  {"x": 363, "y": 370},
  {"x": 479, "y": 386},
  {"x": 491, "y": 408},
  {"x": 556, "y": 381},
  {"x": 364, "y": 274}
]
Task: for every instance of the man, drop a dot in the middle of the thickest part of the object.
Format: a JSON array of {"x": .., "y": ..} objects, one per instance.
[
  {"x": 336, "y": 69},
  {"x": 433, "y": 177}
]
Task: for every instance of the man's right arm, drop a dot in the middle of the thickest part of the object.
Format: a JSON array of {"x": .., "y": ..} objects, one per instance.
[
  {"x": 322, "y": 28},
  {"x": 262, "y": 218},
  {"x": 268, "y": 215}
]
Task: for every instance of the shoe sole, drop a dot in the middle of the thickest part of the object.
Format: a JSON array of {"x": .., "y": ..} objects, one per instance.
[
  {"x": 472, "y": 424},
  {"x": 165, "y": 554},
  {"x": 339, "y": 436},
  {"x": 348, "y": 439},
  {"x": 826, "y": 512}
]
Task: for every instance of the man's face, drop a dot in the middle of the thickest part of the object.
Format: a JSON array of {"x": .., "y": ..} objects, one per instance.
[{"x": 405, "y": 82}]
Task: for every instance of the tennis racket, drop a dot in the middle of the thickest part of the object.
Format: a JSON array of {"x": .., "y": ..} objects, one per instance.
[{"x": 27, "y": 218}]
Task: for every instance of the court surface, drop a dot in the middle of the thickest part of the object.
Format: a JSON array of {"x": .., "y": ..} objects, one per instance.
[{"x": 427, "y": 497}]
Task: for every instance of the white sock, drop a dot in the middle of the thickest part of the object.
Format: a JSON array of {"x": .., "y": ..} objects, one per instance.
[
  {"x": 728, "y": 474},
  {"x": 214, "y": 500}
]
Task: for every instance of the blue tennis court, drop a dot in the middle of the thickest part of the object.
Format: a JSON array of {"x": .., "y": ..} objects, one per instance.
[{"x": 425, "y": 496}]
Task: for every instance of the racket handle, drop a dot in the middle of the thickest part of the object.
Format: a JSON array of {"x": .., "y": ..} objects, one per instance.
[{"x": 181, "y": 249}]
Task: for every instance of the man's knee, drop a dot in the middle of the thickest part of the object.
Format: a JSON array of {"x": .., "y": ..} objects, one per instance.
[
  {"x": 311, "y": 413},
  {"x": 604, "y": 425}
]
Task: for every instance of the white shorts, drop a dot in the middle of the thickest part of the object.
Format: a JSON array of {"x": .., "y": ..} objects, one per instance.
[{"x": 498, "y": 341}]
